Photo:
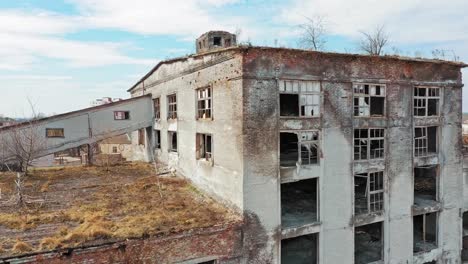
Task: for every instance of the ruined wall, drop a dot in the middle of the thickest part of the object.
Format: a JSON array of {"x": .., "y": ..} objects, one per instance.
[
  {"x": 216, "y": 243},
  {"x": 263, "y": 67},
  {"x": 223, "y": 176},
  {"x": 85, "y": 126}
]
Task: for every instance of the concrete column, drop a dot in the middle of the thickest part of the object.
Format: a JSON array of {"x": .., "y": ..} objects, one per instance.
[
  {"x": 398, "y": 225},
  {"x": 336, "y": 185}
]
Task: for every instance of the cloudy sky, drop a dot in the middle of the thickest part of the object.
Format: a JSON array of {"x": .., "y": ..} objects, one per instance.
[{"x": 63, "y": 54}]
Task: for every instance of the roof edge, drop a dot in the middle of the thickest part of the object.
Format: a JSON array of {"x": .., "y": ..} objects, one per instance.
[{"x": 247, "y": 47}]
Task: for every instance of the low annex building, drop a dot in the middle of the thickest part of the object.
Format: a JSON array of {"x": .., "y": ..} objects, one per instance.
[{"x": 324, "y": 151}]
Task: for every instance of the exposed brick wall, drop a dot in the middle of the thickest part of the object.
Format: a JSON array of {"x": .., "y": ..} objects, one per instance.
[{"x": 221, "y": 243}]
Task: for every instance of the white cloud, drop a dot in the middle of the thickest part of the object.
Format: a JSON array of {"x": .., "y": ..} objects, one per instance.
[
  {"x": 175, "y": 17},
  {"x": 407, "y": 20}
]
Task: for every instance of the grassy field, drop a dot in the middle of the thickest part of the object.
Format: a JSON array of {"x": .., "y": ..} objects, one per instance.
[{"x": 89, "y": 205}]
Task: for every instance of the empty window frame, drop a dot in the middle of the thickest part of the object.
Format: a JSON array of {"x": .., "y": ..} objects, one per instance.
[
  {"x": 299, "y": 148},
  {"x": 114, "y": 149},
  {"x": 425, "y": 141},
  {"x": 368, "y": 243},
  {"x": 55, "y": 132},
  {"x": 369, "y": 99},
  {"x": 426, "y": 101},
  {"x": 424, "y": 232},
  {"x": 369, "y": 192},
  {"x": 204, "y": 102},
  {"x": 157, "y": 134},
  {"x": 299, "y": 203},
  {"x": 369, "y": 143},
  {"x": 172, "y": 137},
  {"x": 216, "y": 41},
  {"x": 425, "y": 184},
  {"x": 172, "y": 106},
  {"x": 141, "y": 136},
  {"x": 157, "y": 108},
  {"x": 121, "y": 115},
  {"x": 204, "y": 146},
  {"x": 299, "y": 98},
  {"x": 300, "y": 250}
]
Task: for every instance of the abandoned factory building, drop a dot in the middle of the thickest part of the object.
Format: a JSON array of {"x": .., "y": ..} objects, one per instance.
[{"x": 332, "y": 158}]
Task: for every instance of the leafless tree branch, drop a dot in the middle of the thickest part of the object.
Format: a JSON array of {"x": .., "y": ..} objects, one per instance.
[
  {"x": 374, "y": 42},
  {"x": 313, "y": 33}
]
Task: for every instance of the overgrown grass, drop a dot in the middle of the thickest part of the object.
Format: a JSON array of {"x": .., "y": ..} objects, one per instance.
[{"x": 143, "y": 206}]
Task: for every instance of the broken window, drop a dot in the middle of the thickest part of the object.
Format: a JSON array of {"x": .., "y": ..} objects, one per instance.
[
  {"x": 121, "y": 115},
  {"x": 425, "y": 184},
  {"x": 299, "y": 203},
  {"x": 157, "y": 108},
  {"x": 369, "y": 143},
  {"x": 369, "y": 99},
  {"x": 299, "y": 148},
  {"x": 465, "y": 237},
  {"x": 172, "y": 136},
  {"x": 172, "y": 106},
  {"x": 204, "y": 102},
  {"x": 426, "y": 101},
  {"x": 425, "y": 141},
  {"x": 55, "y": 132},
  {"x": 368, "y": 243},
  {"x": 425, "y": 232},
  {"x": 368, "y": 192},
  {"x": 216, "y": 41},
  {"x": 299, "y": 98},
  {"x": 158, "y": 139},
  {"x": 204, "y": 146},
  {"x": 300, "y": 250},
  {"x": 141, "y": 136}
]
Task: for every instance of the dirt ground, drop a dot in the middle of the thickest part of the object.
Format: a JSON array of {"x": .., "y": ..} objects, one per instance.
[{"x": 77, "y": 206}]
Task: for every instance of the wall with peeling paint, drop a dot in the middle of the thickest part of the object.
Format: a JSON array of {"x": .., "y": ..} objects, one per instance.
[
  {"x": 264, "y": 66},
  {"x": 222, "y": 177},
  {"x": 246, "y": 126}
]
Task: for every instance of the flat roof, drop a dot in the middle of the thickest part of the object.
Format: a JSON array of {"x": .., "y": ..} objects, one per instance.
[{"x": 246, "y": 48}]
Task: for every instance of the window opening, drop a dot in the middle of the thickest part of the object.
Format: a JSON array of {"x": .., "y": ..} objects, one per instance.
[
  {"x": 121, "y": 115},
  {"x": 368, "y": 192},
  {"x": 172, "y": 106},
  {"x": 369, "y": 99},
  {"x": 204, "y": 102},
  {"x": 299, "y": 98}
]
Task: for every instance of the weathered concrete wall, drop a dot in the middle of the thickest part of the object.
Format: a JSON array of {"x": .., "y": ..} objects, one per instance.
[
  {"x": 264, "y": 66},
  {"x": 217, "y": 243},
  {"x": 84, "y": 126},
  {"x": 222, "y": 177}
]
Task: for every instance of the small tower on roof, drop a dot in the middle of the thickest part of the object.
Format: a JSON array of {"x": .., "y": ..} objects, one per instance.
[{"x": 212, "y": 40}]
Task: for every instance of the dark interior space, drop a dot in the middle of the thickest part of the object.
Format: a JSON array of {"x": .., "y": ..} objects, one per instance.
[
  {"x": 300, "y": 250},
  {"x": 432, "y": 139},
  {"x": 377, "y": 106},
  {"x": 289, "y": 105},
  {"x": 425, "y": 232},
  {"x": 432, "y": 107},
  {"x": 368, "y": 242},
  {"x": 289, "y": 152},
  {"x": 425, "y": 184},
  {"x": 360, "y": 194},
  {"x": 465, "y": 237},
  {"x": 299, "y": 203}
]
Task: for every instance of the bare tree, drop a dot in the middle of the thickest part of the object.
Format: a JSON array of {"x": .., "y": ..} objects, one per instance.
[
  {"x": 373, "y": 42},
  {"x": 445, "y": 55},
  {"x": 21, "y": 144},
  {"x": 313, "y": 33}
]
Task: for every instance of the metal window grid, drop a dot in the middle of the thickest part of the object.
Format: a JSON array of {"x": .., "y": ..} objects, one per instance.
[
  {"x": 172, "y": 106},
  {"x": 309, "y": 95},
  {"x": 421, "y": 98},
  {"x": 362, "y": 94},
  {"x": 204, "y": 103}
]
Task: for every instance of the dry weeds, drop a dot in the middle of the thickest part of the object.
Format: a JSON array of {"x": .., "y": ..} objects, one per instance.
[{"x": 123, "y": 202}]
